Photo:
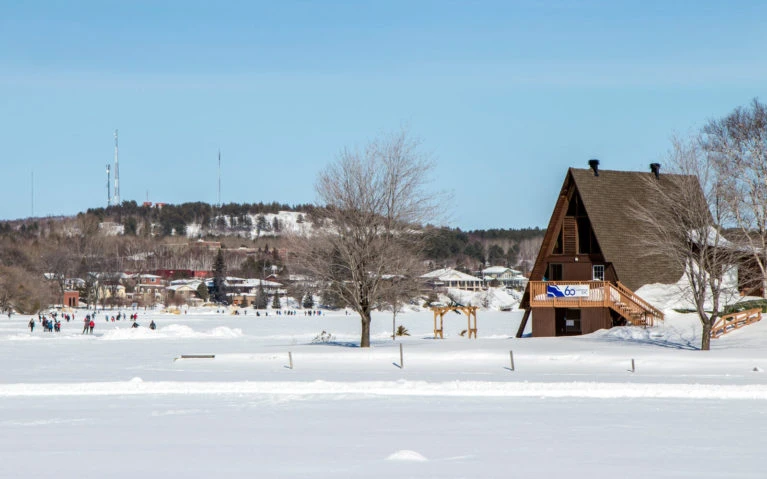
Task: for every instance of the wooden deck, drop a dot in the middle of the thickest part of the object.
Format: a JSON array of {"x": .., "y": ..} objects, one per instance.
[{"x": 600, "y": 294}]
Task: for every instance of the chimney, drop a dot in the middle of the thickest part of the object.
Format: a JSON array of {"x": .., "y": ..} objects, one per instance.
[
  {"x": 655, "y": 169},
  {"x": 594, "y": 165}
]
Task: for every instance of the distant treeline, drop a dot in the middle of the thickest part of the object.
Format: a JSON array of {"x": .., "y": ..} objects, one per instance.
[
  {"x": 453, "y": 247},
  {"x": 174, "y": 218},
  {"x": 508, "y": 234},
  {"x": 501, "y": 247}
]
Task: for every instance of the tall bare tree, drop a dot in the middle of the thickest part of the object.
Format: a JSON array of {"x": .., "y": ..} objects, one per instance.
[
  {"x": 737, "y": 144},
  {"x": 682, "y": 224},
  {"x": 528, "y": 250},
  {"x": 371, "y": 204}
]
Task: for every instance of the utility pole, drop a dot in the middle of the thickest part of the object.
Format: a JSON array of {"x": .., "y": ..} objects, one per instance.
[{"x": 219, "y": 178}]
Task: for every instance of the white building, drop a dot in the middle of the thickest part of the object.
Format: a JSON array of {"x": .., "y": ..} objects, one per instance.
[{"x": 450, "y": 278}]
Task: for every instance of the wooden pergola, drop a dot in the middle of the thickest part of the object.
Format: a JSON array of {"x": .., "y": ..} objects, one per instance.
[{"x": 469, "y": 311}]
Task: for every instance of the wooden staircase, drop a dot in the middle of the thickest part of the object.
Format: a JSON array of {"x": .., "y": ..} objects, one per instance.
[{"x": 632, "y": 308}]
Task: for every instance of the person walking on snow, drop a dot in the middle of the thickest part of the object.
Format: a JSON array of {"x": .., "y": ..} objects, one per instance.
[
  {"x": 91, "y": 325},
  {"x": 86, "y": 323},
  {"x": 32, "y": 325}
]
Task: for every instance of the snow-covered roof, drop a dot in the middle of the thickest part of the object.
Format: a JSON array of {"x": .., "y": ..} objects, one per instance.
[
  {"x": 495, "y": 270},
  {"x": 449, "y": 274},
  {"x": 182, "y": 287},
  {"x": 253, "y": 282}
]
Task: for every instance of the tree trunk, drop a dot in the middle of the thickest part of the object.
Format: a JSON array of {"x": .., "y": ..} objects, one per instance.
[
  {"x": 705, "y": 343},
  {"x": 365, "y": 338}
]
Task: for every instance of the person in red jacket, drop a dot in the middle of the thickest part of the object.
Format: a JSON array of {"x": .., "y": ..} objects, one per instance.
[{"x": 91, "y": 326}]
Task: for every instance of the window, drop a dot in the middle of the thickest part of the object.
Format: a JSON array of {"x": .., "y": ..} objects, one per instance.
[
  {"x": 554, "y": 272},
  {"x": 598, "y": 272}
]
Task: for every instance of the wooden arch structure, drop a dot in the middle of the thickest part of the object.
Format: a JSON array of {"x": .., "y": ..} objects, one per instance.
[{"x": 469, "y": 311}]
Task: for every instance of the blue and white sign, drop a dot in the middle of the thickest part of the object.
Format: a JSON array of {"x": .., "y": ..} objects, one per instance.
[{"x": 567, "y": 291}]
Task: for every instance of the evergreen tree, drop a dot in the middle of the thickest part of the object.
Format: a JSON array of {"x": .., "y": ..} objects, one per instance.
[
  {"x": 219, "y": 278},
  {"x": 276, "y": 301},
  {"x": 496, "y": 256},
  {"x": 202, "y": 291},
  {"x": 262, "y": 224},
  {"x": 249, "y": 268},
  {"x": 276, "y": 225},
  {"x": 308, "y": 301},
  {"x": 262, "y": 299}
]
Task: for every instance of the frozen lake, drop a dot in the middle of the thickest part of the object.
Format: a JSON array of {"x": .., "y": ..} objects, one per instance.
[{"x": 117, "y": 404}]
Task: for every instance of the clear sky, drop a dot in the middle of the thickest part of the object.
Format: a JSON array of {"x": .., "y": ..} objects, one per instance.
[{"x": 505, "y": 95}]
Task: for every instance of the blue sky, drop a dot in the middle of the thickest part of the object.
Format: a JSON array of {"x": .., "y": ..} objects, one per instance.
[{"x": 505, "y": 95}]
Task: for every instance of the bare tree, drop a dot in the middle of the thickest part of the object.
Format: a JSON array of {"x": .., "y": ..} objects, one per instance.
[
  {"x": 58, "y": 266},
  {"x": 372, "y": 204},
  {"x": 682, "y": 218},
  {"x": 528, "y": 250},
  {"x": 23, "y": 291},
  {"x": 398, "y": 292},
  {"x": 737, "y": 144}
]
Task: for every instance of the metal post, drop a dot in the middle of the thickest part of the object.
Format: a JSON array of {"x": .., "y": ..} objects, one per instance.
[
  {"x": 290, "y": 358},
  {"x": 511, "y": 356},
  {"x": 632, "y": 365},
  {"x": 401, "y": 358}
]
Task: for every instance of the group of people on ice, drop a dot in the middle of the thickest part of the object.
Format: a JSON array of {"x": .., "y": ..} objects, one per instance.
[
  {"x": 49, "y": 325},
  {"x": 54, "y": 324}
]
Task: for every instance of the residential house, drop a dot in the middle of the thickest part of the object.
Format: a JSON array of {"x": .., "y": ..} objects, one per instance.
[
  {"x": 451, "y": 278},
  {"x": 593, "y": 257},
  {"x": 508, "y": 277}
]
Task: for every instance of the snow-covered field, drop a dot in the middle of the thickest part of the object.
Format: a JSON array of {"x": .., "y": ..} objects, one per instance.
[{"x": 119, "y": 404}]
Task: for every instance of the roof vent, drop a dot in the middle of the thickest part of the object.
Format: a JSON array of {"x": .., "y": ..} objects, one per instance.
[
  {"x": 594, "y": 165},
  {"x": 655, "y": 169}
]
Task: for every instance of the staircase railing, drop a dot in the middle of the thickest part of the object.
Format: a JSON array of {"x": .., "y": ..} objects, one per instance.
[{"x": 641, "y": 303}]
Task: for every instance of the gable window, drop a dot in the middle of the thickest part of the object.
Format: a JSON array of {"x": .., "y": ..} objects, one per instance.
[
  {"x": 553, "y": 272},
  {"x": 598, "y": 272}
]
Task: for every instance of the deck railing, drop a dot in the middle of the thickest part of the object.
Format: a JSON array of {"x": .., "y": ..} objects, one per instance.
[
  {"x": 596, "y": 297},
  {"x": 730, "y": 322},
  {"x": 600, "y": 294}
]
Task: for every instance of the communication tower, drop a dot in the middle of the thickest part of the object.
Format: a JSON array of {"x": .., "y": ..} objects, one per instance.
[{"x": 117, "y": 175}]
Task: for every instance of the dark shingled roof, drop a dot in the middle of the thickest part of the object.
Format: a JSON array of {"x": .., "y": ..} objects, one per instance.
[{"x": 610, "y": 200}]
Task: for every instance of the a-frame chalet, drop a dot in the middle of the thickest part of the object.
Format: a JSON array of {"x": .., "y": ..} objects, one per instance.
[{"x": 594, "y": 257}]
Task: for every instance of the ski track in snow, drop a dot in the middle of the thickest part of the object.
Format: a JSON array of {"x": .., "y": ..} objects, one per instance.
[{"x": 594, "y": 390}]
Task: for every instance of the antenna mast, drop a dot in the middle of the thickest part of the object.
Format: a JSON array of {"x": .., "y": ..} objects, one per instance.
[
  {"x": 117, "y": 174},
  {"x": 109, "y": 195},
  {"x": 219, "y": 178},
  {"x": 33, "y": 193}
]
